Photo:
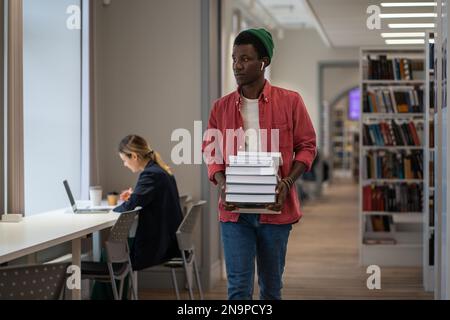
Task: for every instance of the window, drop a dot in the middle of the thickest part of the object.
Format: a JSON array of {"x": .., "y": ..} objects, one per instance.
[
  {"x": 2, "y": 109},
  {"x": 52, "y": 92}
]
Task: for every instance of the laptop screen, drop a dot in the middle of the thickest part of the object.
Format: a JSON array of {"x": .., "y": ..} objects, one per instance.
[{"x": 69, "y": 194}]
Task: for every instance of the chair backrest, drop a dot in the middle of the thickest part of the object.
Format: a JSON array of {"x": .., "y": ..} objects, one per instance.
[
  {"x": 185, "y": 231},
  {"x": 185, "y": 200},
  {"x": 40, "y": 282},
  {"x": 122, "y": 227},
  {"x": 117, "y": 250}
]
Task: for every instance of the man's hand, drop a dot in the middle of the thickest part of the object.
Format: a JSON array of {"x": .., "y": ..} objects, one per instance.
[{"x": 282, "y": 192}]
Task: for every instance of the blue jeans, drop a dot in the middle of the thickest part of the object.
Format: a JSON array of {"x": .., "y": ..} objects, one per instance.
[{"x": 243, "y": 242}]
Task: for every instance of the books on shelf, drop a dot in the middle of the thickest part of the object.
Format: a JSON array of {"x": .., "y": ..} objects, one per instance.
[
  {"x": 374, "y": 241},
  {"x": 398, "y": 197},
  {"x": 402, "y": 164},
  {"x": 379, "y": 67},
  {"x": 393, "y": 99},
  {"x": 393, "y": 133},
  {"x": 251, "y": 181},
  {"x": 379, "y": 223}
]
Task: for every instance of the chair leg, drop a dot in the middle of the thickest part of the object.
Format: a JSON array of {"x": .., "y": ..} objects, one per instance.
[
  {"x": 188, "y": 278},
  {"x": 175, "y": 285},
  {"x": 197, "y": 277},
  {"x": 113, "y": 282},
  {"x": 133, "y": 283},
  {"x": 122, "y": 282},
  {"x": 130, "y": 293},
  {"x": 114, "y": 288}
]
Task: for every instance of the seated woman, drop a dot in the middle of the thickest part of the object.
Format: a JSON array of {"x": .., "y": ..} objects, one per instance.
[{"x": 156, "y": 192}]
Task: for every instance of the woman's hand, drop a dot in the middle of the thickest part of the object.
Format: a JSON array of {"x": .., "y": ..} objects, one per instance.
[
  {"x": 282, "y": 193},
  {"x": 125, "y": 195}
]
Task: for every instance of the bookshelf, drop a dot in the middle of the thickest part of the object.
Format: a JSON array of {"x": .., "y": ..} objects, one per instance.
[
  {"x": 339, "y": 154},
  {"x": 429, "y": 156},
  {"x": 391, "y": 177},
  {"x": 355, "y": 156},
  {"x": 343, "y": 132},
  {"x": 442, "y": 224}
]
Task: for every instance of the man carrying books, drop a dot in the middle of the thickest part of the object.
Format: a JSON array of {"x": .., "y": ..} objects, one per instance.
[{"x": 279, "y": 145}]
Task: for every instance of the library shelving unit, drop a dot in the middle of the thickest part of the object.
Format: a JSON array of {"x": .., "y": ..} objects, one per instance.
[
  {"x": 391, "y": 156},
  {"x": 338, "y": 139},
  {"x": 429, "y": 156},
  {"x": 442, "y": 156},
  {"x": 355, "y": 156},
  {"x": 342, "y": 139}
]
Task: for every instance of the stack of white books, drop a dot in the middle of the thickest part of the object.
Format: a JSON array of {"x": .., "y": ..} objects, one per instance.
[{"x": 251, "y": 181}]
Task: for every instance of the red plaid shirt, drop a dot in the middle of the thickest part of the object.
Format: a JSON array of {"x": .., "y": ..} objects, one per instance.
[{"x": 278, "y": 109}]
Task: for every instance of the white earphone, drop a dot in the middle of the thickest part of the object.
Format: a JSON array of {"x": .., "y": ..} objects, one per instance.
[{"x": 262, "y": 66}]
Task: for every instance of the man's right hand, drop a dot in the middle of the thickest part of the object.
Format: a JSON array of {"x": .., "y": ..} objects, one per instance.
[{"x": 221, "y": 182}]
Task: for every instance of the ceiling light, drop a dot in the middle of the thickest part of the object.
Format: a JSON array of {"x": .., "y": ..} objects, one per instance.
[
  {"x": 405, "y": 41},
  {"x": 408, "y": 4},
  {"x": 407, "y": 15},
  {"x": 403, "y": 34},
  {"x": 410, "y": 25}
]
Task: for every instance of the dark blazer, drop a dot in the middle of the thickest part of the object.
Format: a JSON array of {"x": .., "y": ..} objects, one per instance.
[{"x": 155, "y": 242}]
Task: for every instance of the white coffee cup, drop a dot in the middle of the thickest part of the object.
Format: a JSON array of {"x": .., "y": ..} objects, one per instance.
[{"x": 95, "y": 194}]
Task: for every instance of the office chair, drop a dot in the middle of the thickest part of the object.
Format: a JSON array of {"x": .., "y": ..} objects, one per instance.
[
  {"x": 185, "y": 239},
  {"x": 37, "y": 282},
  {"x": 118, "y": 264}
]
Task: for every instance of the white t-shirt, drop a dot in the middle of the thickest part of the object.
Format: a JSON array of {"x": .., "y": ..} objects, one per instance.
[{"x": 250, "y": 115}]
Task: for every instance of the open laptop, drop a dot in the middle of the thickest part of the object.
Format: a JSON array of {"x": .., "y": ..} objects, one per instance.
[{"x": 88, "y": 210}]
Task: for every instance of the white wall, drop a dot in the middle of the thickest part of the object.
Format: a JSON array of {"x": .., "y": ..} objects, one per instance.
[
  {"x": 296, "y": 63},
  {"x": 147, "y": 82},
  {"x": 338, "y": 79},
  {"x": 227, "y": 34}
]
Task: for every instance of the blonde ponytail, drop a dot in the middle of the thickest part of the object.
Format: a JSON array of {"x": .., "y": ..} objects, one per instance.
[
  {"x": 157, "y": 158},
  {"x": 136, "y": 144}
]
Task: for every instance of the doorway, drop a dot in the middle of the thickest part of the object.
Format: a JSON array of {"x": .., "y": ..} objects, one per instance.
[{"x": 339, "y": 119}]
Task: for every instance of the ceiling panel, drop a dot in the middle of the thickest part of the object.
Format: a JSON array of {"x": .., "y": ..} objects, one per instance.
[
  {"x": 289, "y": 13},
  {"x": 344, "y": 21},
  {"x": 279, "y": 14}
]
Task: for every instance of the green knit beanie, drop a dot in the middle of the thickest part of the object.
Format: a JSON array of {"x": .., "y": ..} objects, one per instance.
[{"x": 266, "y": 39}]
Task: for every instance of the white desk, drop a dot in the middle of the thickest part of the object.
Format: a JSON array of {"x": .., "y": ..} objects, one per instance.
[{"x": 46, "y": 230}]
